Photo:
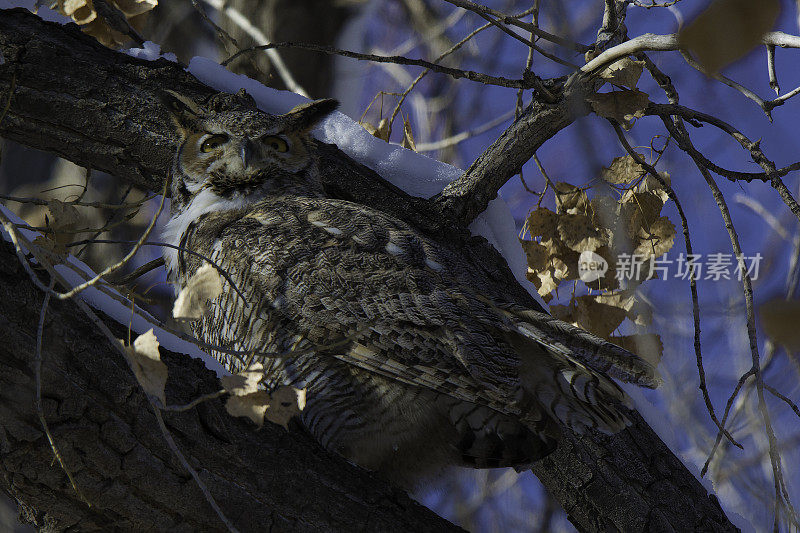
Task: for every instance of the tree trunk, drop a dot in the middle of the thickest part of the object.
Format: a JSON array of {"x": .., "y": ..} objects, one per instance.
[{"x": 98, "y": 108}]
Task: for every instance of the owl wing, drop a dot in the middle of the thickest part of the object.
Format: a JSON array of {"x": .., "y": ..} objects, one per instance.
[{"x": 419, "y": 313}]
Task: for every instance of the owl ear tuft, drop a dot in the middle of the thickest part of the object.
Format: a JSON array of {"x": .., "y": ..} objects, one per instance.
[
  {"x": 185, "y": 113},
  {"x": 305, "y": 116}
]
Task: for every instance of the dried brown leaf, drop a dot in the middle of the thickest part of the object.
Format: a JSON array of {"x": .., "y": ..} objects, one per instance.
[
  {"x": 63, "y": 220},
  {"x": 656, "y": 240},
  {"x": 542, "y": 223},
  {"x": 623, "y": 169},
  {"x": 624, "y": 72},
  {"x": 563, "y": 312},
  {"x": 623, "y": 106},
  {"x": 368, "y": 126},
  {"x": 727, "y": 30},
  {"x": 781, "y": 322},
  {"x": 578, "y": 233},
  {"x": 204, "y": 285},
  {"x": 609, "y": 280},
  {"x": 636, "y": 310},
  {"x": 382, "y": 131},
  {"x": 598, "y": 318},
  {"x": 647, "y": 208},
  {"x": 544, "y": 282},
  {"x": 536, "y": 255},
  {"x": 603, "y": 210},
  {"x": 132, "y": 8},
  {"x": 252, "y": 405},
  {"x": 573, "y": 200},
  {"x": 245, "y": 382},
  {"x": 408, "y": 136},
  {"x": 285, "y": 402},
  {"x": 648, "y": 346},
  {"x": 84, "y": 13},
  {"x": 564, "y": 260},
  {"x": 145, "y": 361},
  {"x": 651, "y": 184}
]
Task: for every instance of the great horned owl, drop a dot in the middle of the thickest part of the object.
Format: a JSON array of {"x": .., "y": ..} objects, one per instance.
[{"x": 435, "y": 364}]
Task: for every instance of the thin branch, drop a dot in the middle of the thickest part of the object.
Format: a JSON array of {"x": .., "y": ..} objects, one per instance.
[
  {"x": 464, "y": 198},
  {"x": 218, "y": 268},
  {"x": 527, "y": 42},
  {"x": 666, "y": 110},
  {"x": 742, "y": 379},
  {"x": 506, "y": 19},
  {"x": 747, "y": 93},
  {"x": 425, "y": 72},
  {"x": 692, "y": 281},
  {"x": 759, "y": 209},
  {"x": 783, "y": 398},
  {"x": 773, "y": 76},
  {"x": 258, "y": 36},
  {"x": 100, "y": 205},
  {"x": 194, "y": 403},
  {"x": 464, "y": 135},
  {"x": 651, "y": 42},
  {"x": 37, "y": 361},
  {"x": 199, "y": 482},
  {"x": 747, "y": 288},
  {"x": 398, "y": 60},
  {"x": 139, "y": 272}
]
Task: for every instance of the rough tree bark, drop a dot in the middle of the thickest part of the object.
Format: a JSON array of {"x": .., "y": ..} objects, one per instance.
[{"x": 98, "y": 108}]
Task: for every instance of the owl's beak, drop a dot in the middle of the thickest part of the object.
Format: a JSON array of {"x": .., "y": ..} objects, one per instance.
[{"x": 247, "y": 152}]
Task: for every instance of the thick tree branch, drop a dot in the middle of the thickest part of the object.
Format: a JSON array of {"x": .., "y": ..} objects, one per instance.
[
  {"x": 97, "y": 108},
  {"x": 463, "y": 199}
]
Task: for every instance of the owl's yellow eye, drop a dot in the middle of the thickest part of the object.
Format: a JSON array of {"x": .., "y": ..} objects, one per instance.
[
  {"x": 276, "y": 143},
  {"x": 213, "y": 142}
]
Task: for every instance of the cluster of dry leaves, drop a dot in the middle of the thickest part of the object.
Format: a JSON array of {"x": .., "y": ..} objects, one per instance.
[
  {"x": 613, "y": 228},
  {"x": 245, "y": 397},
  {"x": 85, "y": 13},
  {"x": 632, "y": 225}
]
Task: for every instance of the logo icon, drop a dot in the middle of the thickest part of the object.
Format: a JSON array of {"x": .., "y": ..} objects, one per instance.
[{"x": 591, "y": 267}]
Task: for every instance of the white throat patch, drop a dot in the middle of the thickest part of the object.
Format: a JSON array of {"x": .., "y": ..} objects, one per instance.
[{"x": 203, "y": 202}]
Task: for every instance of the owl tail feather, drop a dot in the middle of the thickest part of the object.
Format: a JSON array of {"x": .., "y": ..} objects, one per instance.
[
  {"x": 578, "y": 345},
  {"x": 570, "y": 392}
]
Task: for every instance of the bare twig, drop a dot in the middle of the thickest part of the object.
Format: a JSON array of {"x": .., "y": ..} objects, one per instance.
[
  {"x": 398, "y": 60},
  {"x": 781, "y": 493},
  {"x": 651, "y": 42},
  {"x": 666, "y": 110},
  {"x": 142, "y": 270},
  {"x": 280, "y": 67},
  {"x": 692, "y": 281},
  {"x": 116, "y": 20},
  {"x": 39, "y": 410},
  {"x": 773, "y": 76},
  {"x": 464, "y": 135},
  {"x": 194, "y": 403},
  {"x": 506, "y": 19}
]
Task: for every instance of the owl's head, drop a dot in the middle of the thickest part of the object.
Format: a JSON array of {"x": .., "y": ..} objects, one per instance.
[{"x": 236, "y": 154}]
